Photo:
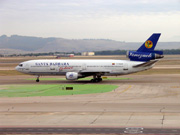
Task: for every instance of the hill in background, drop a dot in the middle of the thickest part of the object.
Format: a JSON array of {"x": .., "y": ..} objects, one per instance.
[{"x": 25, "y": 44}]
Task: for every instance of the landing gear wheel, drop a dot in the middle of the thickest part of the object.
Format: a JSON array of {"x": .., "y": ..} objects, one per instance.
[
  {"x": 99, "y": 79},
  {"x": 96, "y": 80},
  {"x": 37, "y": 80}
]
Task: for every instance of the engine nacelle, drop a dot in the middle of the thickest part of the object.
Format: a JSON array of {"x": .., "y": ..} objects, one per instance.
[
  {"x": 71, "y": 76},
  {"x": 143, "y": 56}
]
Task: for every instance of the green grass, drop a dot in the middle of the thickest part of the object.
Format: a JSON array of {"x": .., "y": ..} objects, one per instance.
[
  {"x": 53, "y": 90},
  {"x": 53, "y": 79}
]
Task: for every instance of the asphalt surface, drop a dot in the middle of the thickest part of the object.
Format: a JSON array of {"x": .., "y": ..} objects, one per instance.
[
  {"x": 86, "y": 130},
  {"x": 151, "y": 103}
]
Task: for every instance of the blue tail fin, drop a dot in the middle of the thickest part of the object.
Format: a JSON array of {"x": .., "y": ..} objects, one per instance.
[
  {"x": 146, "y": 51},
  {"x": 150, "y": 44}
]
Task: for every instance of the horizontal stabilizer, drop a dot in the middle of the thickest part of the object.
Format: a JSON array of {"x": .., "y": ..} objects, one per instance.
[
  {"x": 157, "y": 52},
  {"x": 146, "y": 64}
]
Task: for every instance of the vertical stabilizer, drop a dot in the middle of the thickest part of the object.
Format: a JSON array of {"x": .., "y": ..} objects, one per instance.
[
  {"x": 150, "y": 44},
  {"x": 146, "y": 52}
]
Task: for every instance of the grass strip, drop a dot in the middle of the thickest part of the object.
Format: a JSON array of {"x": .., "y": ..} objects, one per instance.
[{"x": 53, "y": 90}]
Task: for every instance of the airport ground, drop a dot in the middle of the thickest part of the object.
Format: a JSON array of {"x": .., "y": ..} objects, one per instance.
[{"x": 150, "y": 99}]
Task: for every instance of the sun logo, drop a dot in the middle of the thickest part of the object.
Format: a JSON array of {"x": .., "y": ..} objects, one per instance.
[{"x": 149, "y": 44}]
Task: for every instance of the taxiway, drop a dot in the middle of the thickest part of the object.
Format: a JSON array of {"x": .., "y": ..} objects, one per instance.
[{"x": 151, "y": 101}]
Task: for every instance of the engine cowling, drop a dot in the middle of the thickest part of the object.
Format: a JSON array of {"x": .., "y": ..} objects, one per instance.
[
  {"x": 71, "y": 76},
  {"x": 143, "y": 56}
]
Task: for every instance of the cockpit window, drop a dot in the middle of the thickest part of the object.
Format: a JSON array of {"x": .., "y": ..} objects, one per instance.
[{"x": 20, "y": 65}]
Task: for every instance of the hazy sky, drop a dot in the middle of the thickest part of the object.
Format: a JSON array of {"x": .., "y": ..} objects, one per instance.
[{"x": 122, "y": 20}]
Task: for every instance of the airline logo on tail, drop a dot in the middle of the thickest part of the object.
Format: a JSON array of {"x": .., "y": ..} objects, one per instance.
[
  {"x": 146, "y": 52},
  {"x": 149, "y": 44}
]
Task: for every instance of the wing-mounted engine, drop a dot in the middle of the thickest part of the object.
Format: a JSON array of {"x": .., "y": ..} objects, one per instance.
[
  {"x": 144, "y": 56},
  {"x": 71, "y": 75}
]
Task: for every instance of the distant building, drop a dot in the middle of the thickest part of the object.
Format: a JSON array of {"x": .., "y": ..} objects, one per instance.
[
  {"x": 64, "y": 55},
  {"x": 87, "y": 53},
  {"x": 71, "y": 55}
]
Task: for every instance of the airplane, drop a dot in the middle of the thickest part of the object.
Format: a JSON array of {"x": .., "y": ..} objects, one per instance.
[{"x": 142, "y": 59}]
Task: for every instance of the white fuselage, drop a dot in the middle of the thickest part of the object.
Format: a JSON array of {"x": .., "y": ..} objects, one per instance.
[{"x": 61, "y": 67}]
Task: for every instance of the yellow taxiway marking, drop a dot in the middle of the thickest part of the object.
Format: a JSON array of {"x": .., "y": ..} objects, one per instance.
[
  {"x": 125, "y": 89},
  {"x": 175, "y": 87}
]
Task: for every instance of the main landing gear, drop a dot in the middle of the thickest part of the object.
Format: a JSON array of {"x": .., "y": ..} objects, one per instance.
[
  {"x": 37, "y": 80},
  {"x": 96, "y": 79}
]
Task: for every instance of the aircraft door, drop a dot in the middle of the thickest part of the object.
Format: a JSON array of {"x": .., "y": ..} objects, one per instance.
[
  {"x": 26, "y": 67},
  {"x": 84, "y": 66},
  {"x": 53, "y": 68},
  {"x": 125, "y": 66}
]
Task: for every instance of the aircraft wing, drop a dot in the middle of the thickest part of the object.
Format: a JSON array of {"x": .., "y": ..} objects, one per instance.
[
  {"x": 94, "y": 71},
  {"x": 146, "y": 64}
]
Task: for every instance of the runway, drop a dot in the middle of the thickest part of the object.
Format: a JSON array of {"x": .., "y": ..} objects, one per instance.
[
  {"x": 151, "y": 102},
  {"x": 86, "y": 130}
]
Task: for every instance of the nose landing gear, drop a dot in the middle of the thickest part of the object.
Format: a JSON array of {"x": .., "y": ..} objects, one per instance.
[{"x": 37, "y": 80}]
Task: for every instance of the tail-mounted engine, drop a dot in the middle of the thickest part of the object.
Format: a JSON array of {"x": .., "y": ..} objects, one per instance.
[{"x": 144, "y": 56}]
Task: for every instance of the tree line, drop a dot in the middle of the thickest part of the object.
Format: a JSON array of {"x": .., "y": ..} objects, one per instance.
[
  {"x": 123, "y": 52},
  {"x": 115, "y": 52}
]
